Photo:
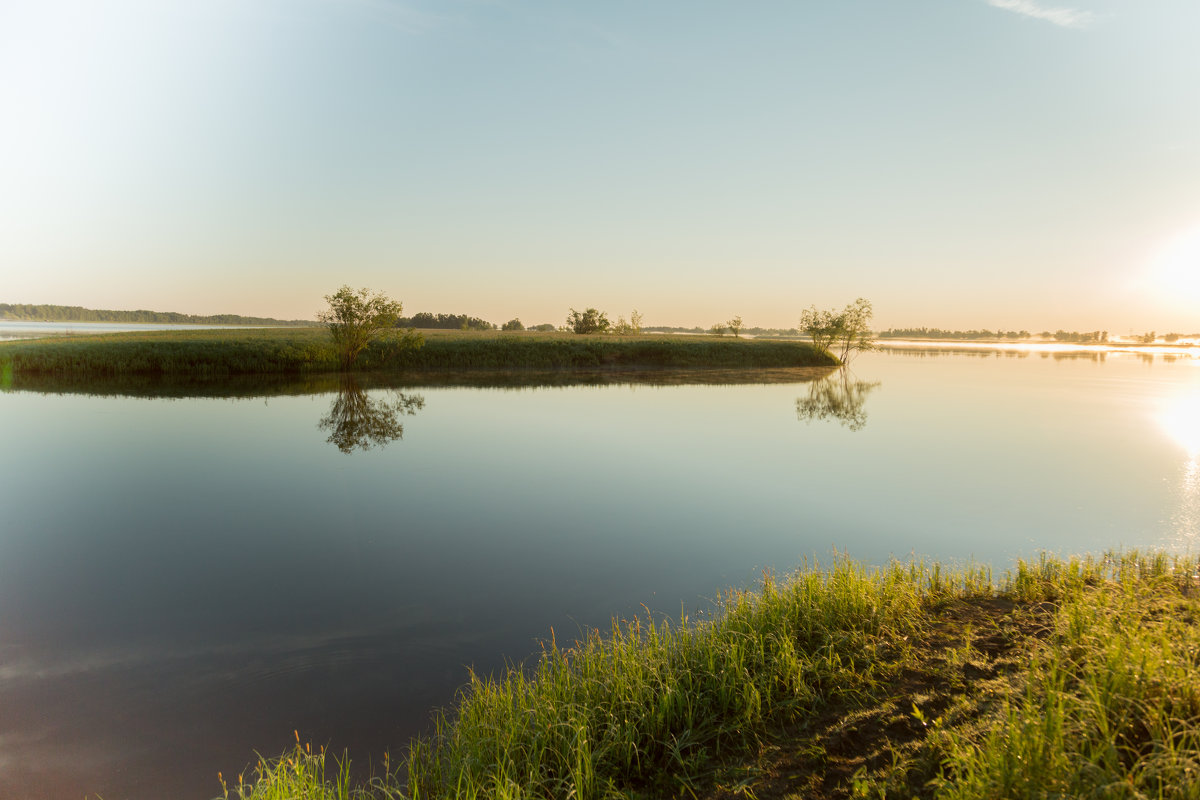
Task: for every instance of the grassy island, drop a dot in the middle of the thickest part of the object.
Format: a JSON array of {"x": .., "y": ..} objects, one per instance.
[
  {"x": 1065, "y": 678},
  {"x": 273, "y": 351}
]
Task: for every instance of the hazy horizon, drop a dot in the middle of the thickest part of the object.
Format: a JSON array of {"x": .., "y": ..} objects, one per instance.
[{"x": 972, "y": 164}]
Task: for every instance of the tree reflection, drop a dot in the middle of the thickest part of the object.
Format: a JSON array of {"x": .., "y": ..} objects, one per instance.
[
  {"x": 836, "y": 397},
  {"x": 358, "y": 422}
]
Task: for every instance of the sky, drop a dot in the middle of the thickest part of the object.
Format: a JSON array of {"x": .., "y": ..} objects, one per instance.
[{"x": 960, "y": 163}]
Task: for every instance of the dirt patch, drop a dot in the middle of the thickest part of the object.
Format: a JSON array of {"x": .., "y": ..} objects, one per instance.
[{"x": 953, "y": 673}]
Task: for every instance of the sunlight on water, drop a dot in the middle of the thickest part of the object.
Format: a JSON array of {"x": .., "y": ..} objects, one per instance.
[
  {"x": 1186, "y": 519},
  {"x": 1181, "y": 420}
]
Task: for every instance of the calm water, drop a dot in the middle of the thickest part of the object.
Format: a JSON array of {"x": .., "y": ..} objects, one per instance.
[{"x": 185, "y": 580}]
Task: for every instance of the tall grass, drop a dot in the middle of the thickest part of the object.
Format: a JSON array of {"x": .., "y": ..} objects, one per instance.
[
  {"x": 1111, "y": 704},
  {"x": 312, "y": 775},
  {"x": 310, "y": 350},
  {"x": 1103, "y": 699},
  {"x": 657, "y": 706}
]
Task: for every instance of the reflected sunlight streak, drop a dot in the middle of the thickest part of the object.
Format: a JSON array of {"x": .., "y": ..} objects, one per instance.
[
  {"x": 1187, "y": 519},
  {"x": 1182, "y": 423}
]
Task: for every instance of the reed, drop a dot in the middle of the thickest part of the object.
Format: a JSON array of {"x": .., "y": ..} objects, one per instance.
[{"x": 309, "y": 350}]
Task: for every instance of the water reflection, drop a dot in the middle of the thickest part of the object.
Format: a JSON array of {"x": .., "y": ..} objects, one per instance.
[
  {"x": 1187, "y": 517},
  {"x": 1180, "y": 419},
  {"x": 838, "y": 397},
  {"x": 247, "y": 386},
  {"x": 357, "y": 421}
]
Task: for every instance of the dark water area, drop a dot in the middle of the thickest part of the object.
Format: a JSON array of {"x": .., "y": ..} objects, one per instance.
[{"x": 188, "y": 573}]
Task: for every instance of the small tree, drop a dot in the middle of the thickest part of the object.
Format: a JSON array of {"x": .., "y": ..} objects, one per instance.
[
  {"x": 717, "y": 329},
  {"x": 820, "y": 326},
  {"x": 357, "y": 318},
  {"x": 735, "y": 326},
  {"x": 513, "y": 324},
  {"x": 847, "y": 331},
  {"x": 589, "y": 321},
  {"x": 631, "y": 328}
]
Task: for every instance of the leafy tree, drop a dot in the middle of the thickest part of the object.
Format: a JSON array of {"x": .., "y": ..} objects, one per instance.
[
  {"x": 820, "y": 326},
  {"x": 544, "y": 327},
  {"x": 735, "y": 326},
  {"x": 357, "y": 318},
  {"x": 631, "y": 328},
  {"x": 842, "y": 333},
  {"x": 513, "y": 324},
  {"x": 589, "y": 321},
  {"x": 717, "y": 329}
]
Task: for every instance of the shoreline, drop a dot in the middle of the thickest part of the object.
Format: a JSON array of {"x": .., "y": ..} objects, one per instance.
[
  {"x": 301, "y": 351},
  {"x": 1062, "y": 678}
]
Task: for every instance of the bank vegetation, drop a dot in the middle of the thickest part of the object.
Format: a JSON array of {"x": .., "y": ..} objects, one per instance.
[
  {"x": 1063, "y": 678},
  {"x": 272, "y": 351}
]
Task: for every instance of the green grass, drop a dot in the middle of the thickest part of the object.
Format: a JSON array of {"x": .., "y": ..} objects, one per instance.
[
  {"x": 309, "y": 350},
  {"x": 1075, "y": 677}
]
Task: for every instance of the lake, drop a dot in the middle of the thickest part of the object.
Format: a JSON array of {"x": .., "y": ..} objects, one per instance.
[{"x": 186, "y": 577}]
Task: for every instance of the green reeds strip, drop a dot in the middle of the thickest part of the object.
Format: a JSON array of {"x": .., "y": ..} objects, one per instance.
[{"x": 310, "y": 350}]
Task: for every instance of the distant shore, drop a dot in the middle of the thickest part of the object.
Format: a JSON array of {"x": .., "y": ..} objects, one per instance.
[
  {"x": 273, "y": 351},
  {"x": 1041, "y": 345}
]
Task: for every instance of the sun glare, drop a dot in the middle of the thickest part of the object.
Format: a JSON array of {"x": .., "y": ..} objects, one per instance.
[
  {"x": 1181, "y": 421},
  {"x": 1174, "y": 270}
]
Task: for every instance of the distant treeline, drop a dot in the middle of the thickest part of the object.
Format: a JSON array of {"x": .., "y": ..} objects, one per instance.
[
  {"x": 48, "y": 313},
  {"x": 697, "y": 329},
  {"x": 938, "y": 333},
  {"x": 454, "y": 322},
  {"x": 1073, "y": 337}
]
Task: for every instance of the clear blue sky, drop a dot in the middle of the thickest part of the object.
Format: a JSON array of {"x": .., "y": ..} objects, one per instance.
[{"x": 962, "y": 163}]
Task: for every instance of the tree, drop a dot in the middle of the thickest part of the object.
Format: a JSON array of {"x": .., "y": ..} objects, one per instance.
[
  {"x": 513, "y": 324},
  {"x": 735, "y": 326},
  {"x": 717, "y": 329},
  {"x": 841, "y": 333},
  {"x": 357, "y": 318},
  {"x": 590, "y": 321},
  {"x": 631, "y": 328},
  {"x": 635, "y": 322}
]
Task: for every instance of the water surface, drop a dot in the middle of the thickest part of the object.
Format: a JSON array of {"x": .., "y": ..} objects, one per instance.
[{"x": 185, "y": 580}]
